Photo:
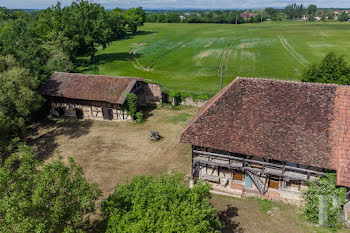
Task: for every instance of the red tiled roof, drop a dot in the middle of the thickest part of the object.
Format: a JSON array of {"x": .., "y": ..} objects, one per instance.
[
  {"x": 304, "y": 123},
  {"x": 88, "y": 87}
]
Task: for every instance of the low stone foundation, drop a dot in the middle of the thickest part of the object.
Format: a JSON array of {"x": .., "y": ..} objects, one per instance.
[{"x": 238, "y": 189}]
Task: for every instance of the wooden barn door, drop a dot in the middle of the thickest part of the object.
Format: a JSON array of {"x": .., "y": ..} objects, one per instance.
[{"x": 107, "y": 113}]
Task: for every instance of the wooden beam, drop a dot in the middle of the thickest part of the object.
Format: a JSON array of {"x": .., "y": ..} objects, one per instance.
[
  {"x": 242, "y": 168},
  {"x": 259, "y": 162}
]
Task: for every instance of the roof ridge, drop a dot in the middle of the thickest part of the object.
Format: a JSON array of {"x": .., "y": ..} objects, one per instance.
[
  {"x": 293, "y": 82},
  {"x": 100, "y": 75}
]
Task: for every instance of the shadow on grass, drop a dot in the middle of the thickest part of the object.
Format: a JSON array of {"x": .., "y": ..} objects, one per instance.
[
  {"x": 226, "y": 216},
  {"x": 84, "y": 65},
  {"x": 147, "y": 112},
  {"x": 45, "y": 145}
]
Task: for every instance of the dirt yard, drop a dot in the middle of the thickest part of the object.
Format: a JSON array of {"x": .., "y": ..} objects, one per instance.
[{"x": 110, "y": 153}]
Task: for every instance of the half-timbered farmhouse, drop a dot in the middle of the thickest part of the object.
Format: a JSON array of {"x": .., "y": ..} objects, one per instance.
[
  {"x": 96, "y": 96},
  {"x": 268, "y": 137}
]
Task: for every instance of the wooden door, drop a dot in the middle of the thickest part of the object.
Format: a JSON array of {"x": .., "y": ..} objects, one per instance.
[{"x": 107, "y": 113}]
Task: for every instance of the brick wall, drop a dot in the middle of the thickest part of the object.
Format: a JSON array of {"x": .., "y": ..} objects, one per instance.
[
  {"x": 149, "y": 95},
  {"x": 340, "y": 136},
  {"x": 272, "y": 195}
]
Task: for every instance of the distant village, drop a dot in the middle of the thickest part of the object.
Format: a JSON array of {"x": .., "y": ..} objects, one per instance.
[{"x": 290, "y": 12}]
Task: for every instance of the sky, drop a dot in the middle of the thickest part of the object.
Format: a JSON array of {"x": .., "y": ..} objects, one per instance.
[{"x": 204, "y": 4}]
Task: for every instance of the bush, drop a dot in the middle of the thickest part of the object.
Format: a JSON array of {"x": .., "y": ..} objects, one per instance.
[
  {"x": 324, "y": 186},
  {"x": 44, "y": 198},
  {"x": 177, "y": 95},
  {"x": 139, "y": 117},
  {"x": 131, "y": 104},
  {"x": 332, "y": 69},
  {"x": 163, "y": 204}
]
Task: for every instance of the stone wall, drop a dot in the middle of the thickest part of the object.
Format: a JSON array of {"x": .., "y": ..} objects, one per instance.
[{"x": 149, "y": 95}]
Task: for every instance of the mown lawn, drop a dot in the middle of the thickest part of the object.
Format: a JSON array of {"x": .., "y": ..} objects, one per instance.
[{"x": 188, "y": 56}]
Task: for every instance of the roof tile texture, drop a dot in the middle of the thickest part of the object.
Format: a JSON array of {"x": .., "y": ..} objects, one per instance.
[
  {"x": 88, "y": 87},
  {"x": 287, "y": 121}
]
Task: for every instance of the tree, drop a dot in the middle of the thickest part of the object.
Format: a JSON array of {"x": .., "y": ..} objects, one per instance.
[
  {"x": 163, "y": 204},
  {"x": 18, "y": 98},
  {"x": 324, "y": 187},
  {"x": 343, "y": 17},
  {"x": 87, "y": 26},
  {"x": 332, "y": 69},
  {"x": 294, "y": 11},
  {"x": 118, "y": 23},
  {"x": 19, "y": 39},
  {"x": 135, "y": 18},
  {"x": 36, "y": 197},
  {"x": 311, "y": 10},
  {"x": 173, "y": 17}
]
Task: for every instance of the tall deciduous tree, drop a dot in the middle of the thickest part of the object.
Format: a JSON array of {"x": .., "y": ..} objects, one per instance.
[
  {"x": 332, "y": 69},
  {"x": 18, "y": 98},
  {"x": 87, "y": 26},
  {"x": 135, "y": 18},
  {"x": 44, "y": 198},
  {"x": 311, "y": 12}
]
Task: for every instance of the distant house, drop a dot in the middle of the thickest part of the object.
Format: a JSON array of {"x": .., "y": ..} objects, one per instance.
[
  {"x": 248, "y": 15},
  {"x": 304, "y": 17},
  {"x": 182, "y": 17},
  {"x": 269, "y": 138},
  {"x": 95, "y": 96}
]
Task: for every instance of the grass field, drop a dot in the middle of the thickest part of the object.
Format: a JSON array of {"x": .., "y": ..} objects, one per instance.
[{"x": 188, "y": 56}]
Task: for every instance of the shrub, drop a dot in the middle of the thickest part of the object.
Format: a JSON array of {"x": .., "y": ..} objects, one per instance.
[
  {"x": 163, "y": 204},
  {"x": 326, "y": 187},
  {"x": 332, "y": 69},
  {"x": 139, "y": 117},
  {"x": 131, "y": 104},
  {"x": 177, "y": 95},
  {"x": 44, "y": 198}
]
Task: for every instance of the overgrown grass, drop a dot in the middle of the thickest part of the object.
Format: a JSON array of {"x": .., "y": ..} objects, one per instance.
[
  {"x": 187, "y": 57},
  {"x": 267, "y": 206}
]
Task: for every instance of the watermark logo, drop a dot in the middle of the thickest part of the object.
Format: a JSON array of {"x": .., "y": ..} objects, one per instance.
[{"x": 324, "y": 210}]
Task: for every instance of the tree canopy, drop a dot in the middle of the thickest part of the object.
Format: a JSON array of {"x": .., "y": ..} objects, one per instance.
[
  {"x": 163, "y": 204},
  {"x": 332, "y": 69},
  {"x": 294, "y": 11},
  {"x": 35, "y": 46},
  {"x": 36, "y": 197},
  {"x": 18, "y": 98}
]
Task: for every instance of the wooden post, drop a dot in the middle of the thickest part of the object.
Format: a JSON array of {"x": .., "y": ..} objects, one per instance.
[{"x": 221, "y": 76}]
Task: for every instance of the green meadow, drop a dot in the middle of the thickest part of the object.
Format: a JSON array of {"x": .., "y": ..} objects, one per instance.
[{"x": 188, "y": 57}]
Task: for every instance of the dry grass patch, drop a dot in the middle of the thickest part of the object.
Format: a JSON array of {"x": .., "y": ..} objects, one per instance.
[{"x": 110, "y": 153}]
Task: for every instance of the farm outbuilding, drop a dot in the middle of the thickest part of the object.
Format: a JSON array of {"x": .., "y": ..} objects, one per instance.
[
  {"x": 96, "y": 96},
  {"x": 268, "y": 138}
]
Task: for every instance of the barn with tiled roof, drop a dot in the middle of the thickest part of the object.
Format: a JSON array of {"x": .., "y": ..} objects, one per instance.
[
  {"x": 96, "y": 96},
  {"x": 271, "y": 137}
]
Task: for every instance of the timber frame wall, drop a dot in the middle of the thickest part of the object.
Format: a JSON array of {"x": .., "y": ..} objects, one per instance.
[
  {"x": 253, "y": 176},
  {"x": 90, "y": 109}
]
